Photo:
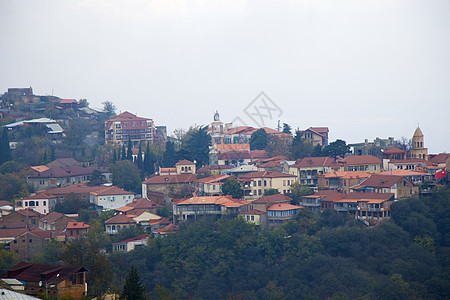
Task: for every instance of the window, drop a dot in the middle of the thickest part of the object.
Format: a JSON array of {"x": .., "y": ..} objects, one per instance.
[
  {"x": 253, "y": 218},
  {"x": 26, "y": 203},
  {"x": 362, "y": 205},
  {"x": 44, "y": 203},
  {"x": 259, "y": 182}
]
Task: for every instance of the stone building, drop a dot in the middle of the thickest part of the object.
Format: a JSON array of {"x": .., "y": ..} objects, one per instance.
[{"x": 418, "y": 150}]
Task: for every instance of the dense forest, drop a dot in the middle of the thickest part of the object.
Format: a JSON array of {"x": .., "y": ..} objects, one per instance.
[{"x": 316, "y": 257}]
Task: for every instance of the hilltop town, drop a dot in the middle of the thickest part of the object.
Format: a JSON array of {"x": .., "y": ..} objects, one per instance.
[{"x": 86, "y": 192}]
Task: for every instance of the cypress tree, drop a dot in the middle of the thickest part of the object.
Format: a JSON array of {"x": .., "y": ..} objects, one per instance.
[
  {"x": 132, "y": 289},
  {"x": 124, "y": 155},
  {"x": 115, "y": 156},
  {"x": 139, "y": 158},
  {"x": 129, "y": 151},
  {"x": 5, "y": 151}
]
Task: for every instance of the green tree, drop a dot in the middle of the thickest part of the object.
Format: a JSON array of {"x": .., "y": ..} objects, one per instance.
[
  {"x": 109, "y": 108},
  {"x": 169, "y": 155},
  {"x": 287, "y": 128},
  {"x": 149, "y": 161},
  {"x": 133, "y": 289},
  {"x": 232, "y": 187},
  {"x": 5, "y": 150},
  {"x": 83, "y": 103},
  {"x": 271, "y": 191},
  {"x": 300, "y": 147},
  {"x": 258, "y": 140},
  {"x": 72, "y": 204},
  {"x": 298, "y": 191},
  {"x": 130, "y": 150},
  {"x": 138, "y": 161},
  {"x": 97, "y": 178},
  {"x": 124, "y": 153},
  {"x": 126, "y": 176},
  {"x": 336, "y": 148},
  {"x": 197, "y": 145}
]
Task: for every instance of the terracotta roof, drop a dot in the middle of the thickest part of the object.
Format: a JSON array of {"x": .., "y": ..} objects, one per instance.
[
  {"x": 409, "y": 161},
  {"x": 171, "y": 179},
  {"x": 127, "y": 116},
  {"x": 234, "y": 155},
  {"x": 160, "y": 221},
  {"x": 184, "y": 162},
  {"x": 4, "y": 203},
  {"x": 309, "y": 162},
  {"x": 11, "y": 232},
  {"x": 110, "y": 190},
  {"x": 40, "y": 168},
  {"x": 272, "y": 199},
  {"x": 346, "y": 174},
  {"x": 171, "y": 228},
  {"x": 324, "y": 194},
  {"x": 40, "y": 195},
  {"x": 402, "y": 172},
  {"x": 266, "y": 174},
  {"x": 277, "y": 158},
  {"x": 258, "y": 154},
  {"x": 208, "y": 200},
  {"x": 168, "y": 170},
  {"x": 68, "y": 101},
  {"x": 67, "y": 171},
  {"x": 28, "y": 212},
  {"x": 74, "y": 188},
  {"x": 120, "y": 219},
  {"x": 218, "y": 179},
  {"x": 233, "y": 147},
  {"x": 52, "y": 217},
  {"x": 361, "y": 159},
  {"x": 77, "y": 225},
  {"x": 320, "y": 129},
  {"x": 253, "y": 212},
  {"x": 394, "y": 150},
  {"x": 372, "y": 196},
  {"x": 283, "y": 206},
  {"x": 440, "y": 158},
  {"x": 138, "y": 238},
  {"x": 143, "y": 203},
  {"x": 380, "y": 181},
  {"x": 33, "y": 272},
  {"x": 270, "y": 164},
  {"x": 45, "y": 234}
]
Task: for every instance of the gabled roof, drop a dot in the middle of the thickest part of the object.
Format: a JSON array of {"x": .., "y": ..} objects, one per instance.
[
  {"x": 325, "y": 195},
  {"x": 270, "y": 164},
  {"x": 40, "y": 195},
  {"x": 11, "y": 233},
  {"x": 52, "y": 217},
  {"x": 127, "y": 116},
  {"x": 68, "y": 101},
  {"x": 143, "y": 203},
  {"x": 277, "y": 158},
  {"x": 216, "y": 179},
  {"x": 138, "y": 238},
  {"x": 230, "y": 147},
  {"x": 402, "y": 172},
  {"x": 283, "y": 206},
  {"x": 394, "y": 150},
  {"x": 234, "y": 155},
  {"x": 372, "y": 196},
  {"x": 253, "y": 212},
  {"x": 110, "y": 190},
  {"x": 418, "y": 132},
  {"x": 120, "y": 219},
  {"x": 265, "y": 174},
  {"x": 184, "y": 162},
  {"x": 273, "y": 199},
  {"x": 258, "y": 154},
  {"x": 380, "y": 181},
  {"x": 220, "y": 200},
  {"x": 346, "y": 174},
  {"x": 208, "y": 168},
  {"x": 171, "y": 228},
  {"x": 171, "y": 179},
  {"x": 32, "y": 272},
  {"x": 28, "y": 212},
  {"x": 309, "y": 162},
  {"x": 67, "y": 171},
  {"x": 440, "y": 158},
  {"x": 361, "y": 160},
  {"x": 77, "y": 225}
]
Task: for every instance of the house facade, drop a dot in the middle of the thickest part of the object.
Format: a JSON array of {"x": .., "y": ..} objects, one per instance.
[
  {"x": 398, "y": 185},
  {"x": 280, "y": 213},
  {"x": 127, "y": 126},
  {"x": 366, "y": 163},
  {"x": 340, "y": 181},
  {"x": 254, "y": 184},
  {"x": 308, "y": 169},
  {"x": 42, "y": 202}
]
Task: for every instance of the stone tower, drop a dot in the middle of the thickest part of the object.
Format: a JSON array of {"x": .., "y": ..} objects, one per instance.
[{"x": 418, "y": 151}]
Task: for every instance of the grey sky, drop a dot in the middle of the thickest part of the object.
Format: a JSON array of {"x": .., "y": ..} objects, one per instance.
[{"x": 365, "y": 69}]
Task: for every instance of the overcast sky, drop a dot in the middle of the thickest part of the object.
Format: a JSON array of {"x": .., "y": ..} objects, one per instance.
[{"x": 365, "y": 69}]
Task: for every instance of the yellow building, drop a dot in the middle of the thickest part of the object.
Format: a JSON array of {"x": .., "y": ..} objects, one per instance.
[
  {"x": 254, "y": 184},
  {"x": 418, "y": 150}
]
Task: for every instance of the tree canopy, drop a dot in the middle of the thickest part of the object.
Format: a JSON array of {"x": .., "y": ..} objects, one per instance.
[
  {"x": 126, "y": 176},
  {"x": 258, "y": 140},
  {"x": 133, "y": 289},
  {"x": 232, "y": 187},
  {"x": 336, "y": 148}
]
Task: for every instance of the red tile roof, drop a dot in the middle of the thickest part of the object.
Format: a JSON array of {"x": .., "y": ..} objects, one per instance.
[
  {"x": 258, "y": 154},
  {"x": 171, "y": 179},
  {"x": 265, "y": 174},
  {"x": 110, "y": 190},
  {"x": 273, "y": 199},
  {"x": 283, "y": 206},
  {"x": 184, "y": 162},
  {"x": 381, "y": 181},
  {"x": 440, "y": 158},
  {"x": 234, "y": 155},
  {"x": 138, "y": 238},
  {"x": 233, "y": 147},
  {"x": 361, "y": 160},
  {"x": 217, "y": 179},
  {"x": 127, "y": 116},
  {"x": 120, "y": 219},
  {"x": 32, "y": 272},
  {"x": 253, "y": 212},
  {"x": 28, "y": 212},
  {"x": 394, "y": 150},
  {"x": 402, "y": 172},
  {"x": 77, "y": 225},
  {"x": 309, "y": 162},
  {"x": 346, "y": 174},
  {"x": 357, "y": 196},
  {"x": 143, "y": 203},
  {"x": 68, "y": 101},
  {"x": 171, "y": 228},
  {"x": 67, "y": 171},
  {"x": 40, "y": 195}
]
